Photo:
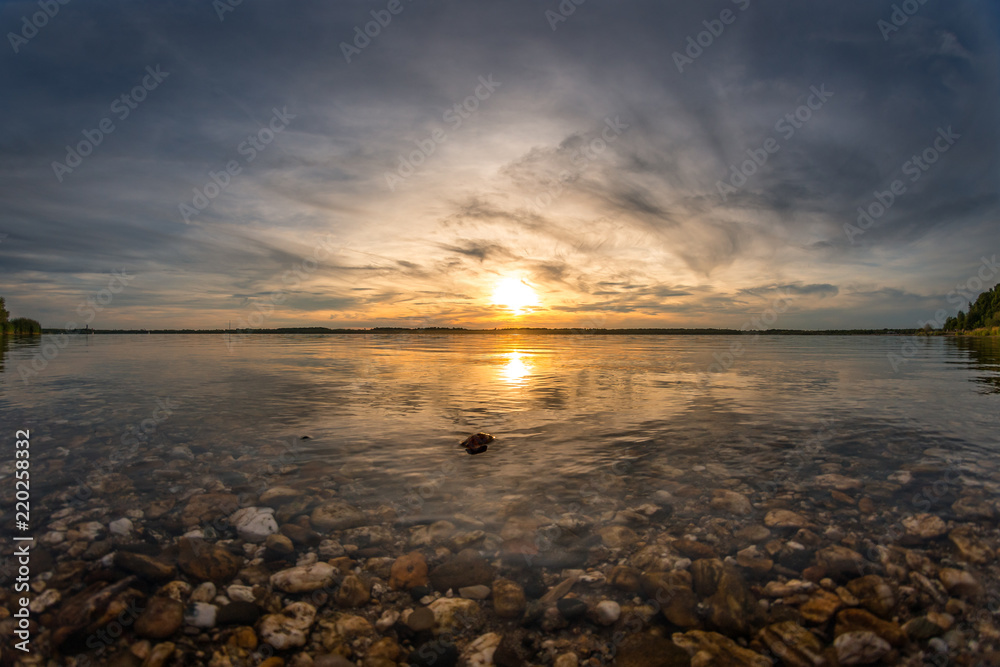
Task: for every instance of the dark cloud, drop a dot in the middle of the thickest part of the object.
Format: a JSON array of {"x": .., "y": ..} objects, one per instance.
[
  {"x": 592, "y": 171},
  {"x": 821, "y": 291}
]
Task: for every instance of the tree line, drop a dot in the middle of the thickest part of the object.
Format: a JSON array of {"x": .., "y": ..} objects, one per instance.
[
  {"x": 18, "y": 325},
  {"x": 983, "y": 314}
]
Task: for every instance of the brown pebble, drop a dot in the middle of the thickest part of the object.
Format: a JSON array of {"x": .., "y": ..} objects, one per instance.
[{"x": 421, "y": 619}]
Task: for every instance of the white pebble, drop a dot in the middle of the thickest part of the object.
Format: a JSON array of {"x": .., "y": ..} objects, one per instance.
[{"x": 607, "y": 612}]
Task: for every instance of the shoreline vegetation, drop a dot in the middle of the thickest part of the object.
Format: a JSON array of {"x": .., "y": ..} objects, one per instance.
[
  {"x": 983, "y": 318},
  {"x": 19, "y": 326}
]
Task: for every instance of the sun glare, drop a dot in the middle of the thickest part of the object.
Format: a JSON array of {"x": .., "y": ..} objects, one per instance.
[
  {"x": 515, "y": 295},
  {"x": 515, "y": 369}
]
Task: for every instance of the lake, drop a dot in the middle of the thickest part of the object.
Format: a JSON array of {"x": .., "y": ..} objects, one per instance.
[{"x": 854, "y": 434}]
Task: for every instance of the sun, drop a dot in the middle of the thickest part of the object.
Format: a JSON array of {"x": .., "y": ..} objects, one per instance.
[{"x": 514, "y": 294}]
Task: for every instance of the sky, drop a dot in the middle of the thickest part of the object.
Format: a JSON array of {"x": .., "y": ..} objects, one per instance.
[{"x": 732, "y": 163}]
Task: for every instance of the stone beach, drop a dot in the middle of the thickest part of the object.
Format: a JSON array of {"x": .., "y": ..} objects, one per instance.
[{"x": 262, "y": 560}]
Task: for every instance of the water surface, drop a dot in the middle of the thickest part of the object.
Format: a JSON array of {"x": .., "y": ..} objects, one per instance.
[{"x": 577, "y": 417}]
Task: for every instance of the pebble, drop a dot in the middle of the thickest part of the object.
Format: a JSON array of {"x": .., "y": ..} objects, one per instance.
[
  {"x": 960, "y": 583},
  {"x": 420, "y": 619},
  {"x": 276, "y": 496},
  {"x": 279, "y": 545},
  {"x": 388, "y": 619},
  {"x": 207, "y": 562},
  {"x": 161, "y": 618},
  {"x": 455, "y": 614},
  {"x": 254, "y": 524},
  {"x": 468, "y": 568},
  {"x": 731, "y": 501},
  {"x": 121, "y": 527},
  {"x": 42, "y": 602},
  {"x": 792, "y": 644},
  {"x": 508, "y": 599},
  {"x": 566, "y": 660},
  {"x": 336, "y": 515},
  {"x": 289, "y": 628},
  {"x": 785, "y": 519},
  {"x": 408, "y": 571},
  {"x": 924, "y": 526},
  {"x": 159, "y": 655},
  {"x": 203, "y": 592},
  {"x": 304, "y": 579},
  {"x": 479, "y": 592},
  {"x": 618, "y": 537},
  {"x": 353, "y": 592},
  {"x": 860, "y": 648},
  {"x": 146, "y": 567},
  {"x": 479, "y": 653},
  {"x": 240, "y": 593},
  {"x": 201, "y": 615},
  {"x": 607, "y": 612}
]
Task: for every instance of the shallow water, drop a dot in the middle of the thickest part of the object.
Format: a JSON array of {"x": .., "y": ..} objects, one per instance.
[{"x": 578, "y": 419}]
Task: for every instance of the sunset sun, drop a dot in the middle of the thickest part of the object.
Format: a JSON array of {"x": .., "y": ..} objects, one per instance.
[{"x": 514, "y": 294}]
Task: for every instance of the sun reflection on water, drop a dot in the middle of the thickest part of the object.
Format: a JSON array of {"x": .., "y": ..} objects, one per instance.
[{"x": 516, "y": 370}]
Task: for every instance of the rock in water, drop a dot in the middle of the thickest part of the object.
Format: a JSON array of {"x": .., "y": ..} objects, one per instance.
[
  {"x": 146, "y": 567},
  {"x": 161, "y": 618},
  {"x": 924, "y": 527},
  {"x": 455, "y": 614},
  {"x": 408, "y": 571},
  {"x": 353, "y": 592},
  {"x": 201, "y": 614},
  {"x": 508, "y": 599},
  {"x": 336, "y": 515},
  {"x": 289, "y": 628},
  {"x": 642, "y": 650},
  {"x": 207, "y": 562},
  {"x": 793, "y": 644},
  {"x": 304, "y": 578},
  {"x": 607, "y": 612},
  {"x": 467, "y": 568},
  {"x": 254, "y": 524},
  {"x": 730, "y": 501},
  {"x": 860, "y": 648},
  {"x": 477, "y": 443},
  {"x": 92, "y": 608},
  {"x": 719, "y": 650}
]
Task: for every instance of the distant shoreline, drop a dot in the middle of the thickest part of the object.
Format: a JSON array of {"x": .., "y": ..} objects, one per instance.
[{"x": 512, "y": 330}]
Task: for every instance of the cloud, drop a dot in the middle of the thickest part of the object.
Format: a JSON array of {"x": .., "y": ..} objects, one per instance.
[{"x": 534, "y": 183}]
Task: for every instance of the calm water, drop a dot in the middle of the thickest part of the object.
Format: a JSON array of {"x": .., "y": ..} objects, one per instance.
[{"x": 588, "y": 416}]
